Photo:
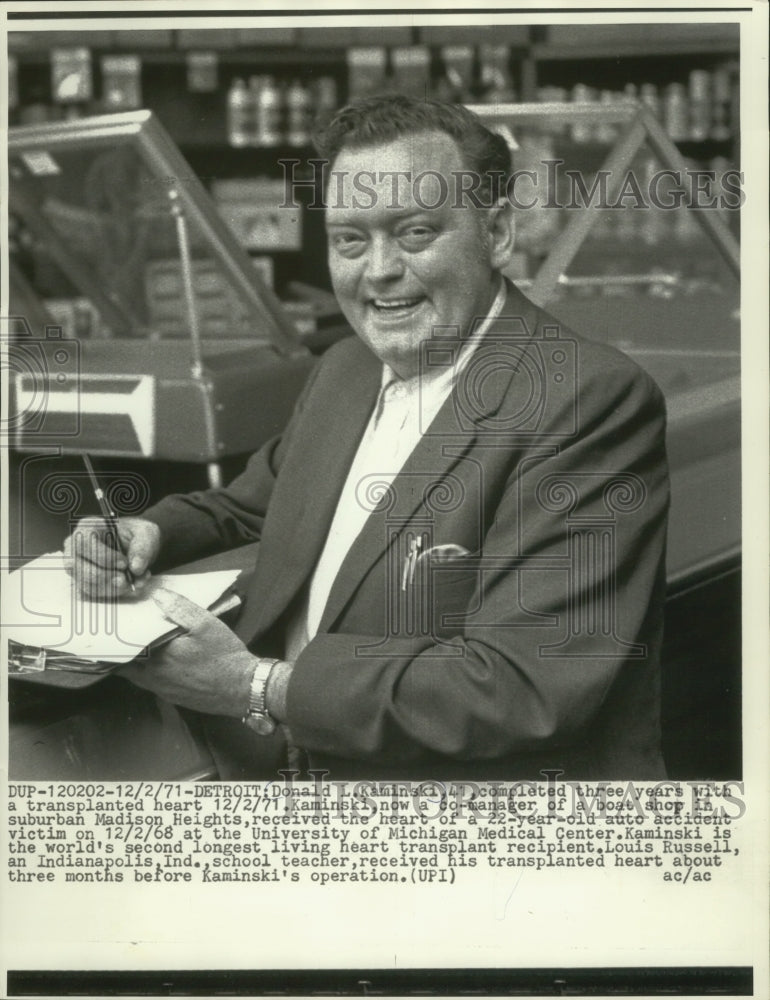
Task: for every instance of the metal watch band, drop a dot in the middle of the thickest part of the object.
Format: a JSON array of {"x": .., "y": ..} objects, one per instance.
[{"x": 257, "y": 717}]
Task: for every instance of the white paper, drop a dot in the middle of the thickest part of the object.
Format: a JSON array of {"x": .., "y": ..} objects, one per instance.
[{"x": 42, "y": 608}]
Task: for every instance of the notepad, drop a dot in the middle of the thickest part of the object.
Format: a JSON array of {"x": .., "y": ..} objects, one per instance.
[{"x": 41, "y": 608}]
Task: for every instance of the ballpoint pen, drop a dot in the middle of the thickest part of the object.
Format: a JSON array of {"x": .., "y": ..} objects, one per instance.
[
  {"x": 110, "y": 517},
  {"x": 407, "y": 577}
]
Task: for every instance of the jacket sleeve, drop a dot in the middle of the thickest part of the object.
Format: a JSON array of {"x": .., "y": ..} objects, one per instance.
[
  {"x": 545, "y": 639},
  {"x": 198, "y": 524}
]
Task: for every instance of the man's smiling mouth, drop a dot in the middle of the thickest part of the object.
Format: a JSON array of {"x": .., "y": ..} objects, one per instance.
[{"x": 395, "y": 306}]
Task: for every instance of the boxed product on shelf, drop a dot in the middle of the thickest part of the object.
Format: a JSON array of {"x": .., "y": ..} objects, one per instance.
[
  {"x": 219, "y": 310},
  {"x": 254, "y": 210}
]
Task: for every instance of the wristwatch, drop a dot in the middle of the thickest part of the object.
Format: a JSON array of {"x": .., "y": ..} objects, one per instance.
[{"x": 256, "y": 717}]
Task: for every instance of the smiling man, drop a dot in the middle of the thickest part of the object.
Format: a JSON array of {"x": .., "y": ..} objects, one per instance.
[
  {"x": 462, "y": 529},
  {"x": 410, "y": 256}
]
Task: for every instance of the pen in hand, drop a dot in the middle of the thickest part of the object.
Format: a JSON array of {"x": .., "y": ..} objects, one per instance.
[{"x": 110, "y": 517}]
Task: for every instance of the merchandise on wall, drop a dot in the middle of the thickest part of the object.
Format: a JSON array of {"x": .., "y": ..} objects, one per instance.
[{"x": 238, "y": 102}]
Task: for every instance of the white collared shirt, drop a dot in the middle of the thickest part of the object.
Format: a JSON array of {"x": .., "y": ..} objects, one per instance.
[{"x": 403, "y": 412}]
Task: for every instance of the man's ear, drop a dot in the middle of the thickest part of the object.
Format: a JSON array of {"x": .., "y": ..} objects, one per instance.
[{"x": 501, "y": 229}]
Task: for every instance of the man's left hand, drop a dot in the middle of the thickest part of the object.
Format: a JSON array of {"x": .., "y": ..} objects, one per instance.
[{"x": 209, "y": 669}]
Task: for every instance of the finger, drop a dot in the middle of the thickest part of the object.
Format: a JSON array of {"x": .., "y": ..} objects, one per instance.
[
  {"x": 180, "y": 610},
  {"x": 118, "y": 586},
  {"x": 91, "y": 578},
  {"x": 99, "y": 586},
  {"x": 90, "y": 546},
  {"x": 78, "y": 545},
  {"x": 139, "y": 545},
  {"x": 140, "y": 582}
]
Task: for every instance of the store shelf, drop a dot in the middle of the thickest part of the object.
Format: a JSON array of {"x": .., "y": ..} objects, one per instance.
[
  {"x": 544, "y": 51},
  {"x": 601, "y": 57},
  {"x": 257, "y": 56}
]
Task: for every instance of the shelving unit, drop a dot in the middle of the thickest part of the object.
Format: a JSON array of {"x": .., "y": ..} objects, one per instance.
[
  {"x": 538, "y": 56},
  {"x": 542, "y": 63}
]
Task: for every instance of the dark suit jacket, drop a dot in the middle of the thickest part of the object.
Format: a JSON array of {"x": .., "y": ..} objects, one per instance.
[{"x": 540, "y": 648}]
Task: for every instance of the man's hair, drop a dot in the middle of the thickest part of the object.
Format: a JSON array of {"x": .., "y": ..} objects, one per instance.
[{"x": 374, "y": 121}]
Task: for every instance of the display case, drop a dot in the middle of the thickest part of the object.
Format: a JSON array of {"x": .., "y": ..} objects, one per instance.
[
  {"x": 139, "y": 327},
  {"x": 665, "y": 291}
]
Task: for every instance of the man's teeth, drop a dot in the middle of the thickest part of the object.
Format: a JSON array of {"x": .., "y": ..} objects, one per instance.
[{"x": 395, "y": 303}]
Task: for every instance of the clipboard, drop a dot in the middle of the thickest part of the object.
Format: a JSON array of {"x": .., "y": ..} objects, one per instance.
[{"x": 36, "y": 665}]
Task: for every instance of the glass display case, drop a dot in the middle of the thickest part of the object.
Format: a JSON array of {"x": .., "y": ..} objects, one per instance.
[
  {"x": 139, "y": 326},
  {"x": 627, "y": 259}
]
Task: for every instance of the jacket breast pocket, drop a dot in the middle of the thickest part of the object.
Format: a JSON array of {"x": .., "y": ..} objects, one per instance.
[
  {"x": 455, "y": 594},
  {"x": 439, "y": 597}
]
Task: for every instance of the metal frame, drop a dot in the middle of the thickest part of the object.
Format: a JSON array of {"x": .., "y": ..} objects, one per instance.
[{"x": 641, "y": 125}]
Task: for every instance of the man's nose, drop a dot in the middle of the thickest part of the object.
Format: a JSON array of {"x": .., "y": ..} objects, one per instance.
[{"x": 384, "y": 262}]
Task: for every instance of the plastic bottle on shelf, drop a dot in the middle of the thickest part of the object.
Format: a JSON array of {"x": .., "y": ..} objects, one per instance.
[
  {"x": 298, "y": 107},
  {"x": 269, "y": 113},
  {"x": 676, "y": 112},
  {"x": 238, "y": 114},
  {"x": 700, "y": 104},
  {"x": 255, "y": 87}
]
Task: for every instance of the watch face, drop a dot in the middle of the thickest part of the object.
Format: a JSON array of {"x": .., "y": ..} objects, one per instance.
[{"x": 261, "y": 724}]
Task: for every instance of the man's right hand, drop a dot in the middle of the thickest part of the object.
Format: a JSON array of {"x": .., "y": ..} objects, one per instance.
[{"x": 98, "y": 568}]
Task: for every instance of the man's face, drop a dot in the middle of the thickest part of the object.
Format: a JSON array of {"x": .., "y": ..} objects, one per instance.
[{"x": 399, "y": 265}]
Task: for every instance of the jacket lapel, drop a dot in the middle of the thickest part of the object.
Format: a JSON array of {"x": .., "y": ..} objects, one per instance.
[
  {"x": 475, "y": 400},
  {"x": 323, "y": 452},
  {"x": 311, "y": 479}
]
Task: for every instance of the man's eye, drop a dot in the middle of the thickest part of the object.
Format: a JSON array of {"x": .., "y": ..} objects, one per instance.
[
  {"x": 417, "y": 235},
  {"x": 342, "y": 239},
  {"x": 347, "y": 242}
]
